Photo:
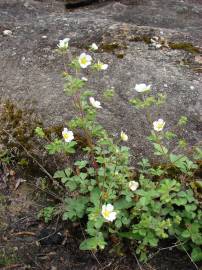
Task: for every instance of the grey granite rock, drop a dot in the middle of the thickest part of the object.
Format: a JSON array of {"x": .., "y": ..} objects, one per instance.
[{"x": 30, "y": 68}]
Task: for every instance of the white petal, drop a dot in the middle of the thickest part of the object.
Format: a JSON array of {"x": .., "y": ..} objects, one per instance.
[
  {"x": 112, "y": 216},
  {"x": 82, "y": 55},
  {"x": 142, "y": 87},
  {"x": 109, "y": 207},
  {"x": 65, "y": 130},
  {"x": 158, "y": 125},
  {"x": 95, "y": 103},
  {"x": 103, "y": 209},
  {"x": 92, "y": 100},
  {"x": 133, "y": 185},
  {"x": 88, "y": 57},
  {"x": 94, "y": 46}
]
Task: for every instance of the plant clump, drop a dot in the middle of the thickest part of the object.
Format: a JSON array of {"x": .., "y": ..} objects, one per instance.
[{"x": 101, "y": 188}]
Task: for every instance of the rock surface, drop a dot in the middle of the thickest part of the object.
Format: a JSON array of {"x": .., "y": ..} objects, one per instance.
[{"x": 30, "y": 68}]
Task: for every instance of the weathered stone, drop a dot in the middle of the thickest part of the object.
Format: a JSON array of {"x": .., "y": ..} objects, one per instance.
[{"x": 30, "y": 67}]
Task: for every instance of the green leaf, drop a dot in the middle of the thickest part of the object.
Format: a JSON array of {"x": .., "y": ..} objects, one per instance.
[
  {"x": 144, "y": 163},
  {"x": 100, "y": 160},
  {"x": 55, "y": 147},
  {"x": 81, "y": 163},
  {"x": 182, "y": 144},
  {"x": 196, "y": 254},
  {"x": 153, "y": 137},
  {"x": 190, "y": 207},
  {"x": 123, "y": 204},
  {"x": 118, "y": 223},
  {"x": 39, "y": 132},
  {"x": 69, "y": 147},
  {"x": 99, "y": 222},
  {"x": 160, "y": 150},
  {"x": 68, "y": 171},
  {"x": 93, "y": 242},
  {"x": 182, "y": 121},
  {"x": 185, "y": 234},
  {"x": 47, "y": 213},
  {"x": 73, "y": 84},
  {"x": 175, "y": 158},
  {"x": 169, "y": 135},
  {"x": 108, "y": 94},
  {"x": 59, "y": 174},
  {"x": 152, "y": 239},
  {"x": 179, "y": 201},
  {"x": 198, "y": 153},
  {"x": 89, "y": 244},
  {"x": 75, "y": 208},
  {"x": 144, "y": 201},
  {"x": 182, "y": 162},
  {"x": 95, "y": 196}
]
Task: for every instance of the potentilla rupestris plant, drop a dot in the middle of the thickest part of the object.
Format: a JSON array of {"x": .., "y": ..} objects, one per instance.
[{"x": 144, "y": 206}]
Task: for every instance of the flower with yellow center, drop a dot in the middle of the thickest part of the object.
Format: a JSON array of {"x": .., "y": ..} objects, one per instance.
[
  {"x": 67, "y": 135},
  {"x": 124, "y": 136},
  {"x": 133, "y": 185},
  {"x": 108, "y": 212},
  {"x": 158, "y": 125},
  {"x": 85, "y": 60}
]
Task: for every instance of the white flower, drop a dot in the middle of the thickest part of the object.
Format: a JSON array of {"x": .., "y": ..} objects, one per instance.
[
  {"x": 108, "y": 212},
  {"x": 85, "y": 60},
  {"x": 158, "y": 125},
  {"x": 124, "y": 136},
  {"x": 67, "y": 135},
  {"x": 133, "y": 185},
  {"x": 64, "y": 43},
  {"x": 84, "y": 79},
  {"x": 7, "y": 32},
  {"x": 95, "y": 103},
  {"x": 94, "y": 47},
  {"x": 142, "y": 87},
  {"x": 101, "y": 65}
]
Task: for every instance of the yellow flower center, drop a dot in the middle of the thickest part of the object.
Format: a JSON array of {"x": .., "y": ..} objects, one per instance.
[
  {"x": 66, "y": 136},
  {"x": 160, "y": 125},
  {"x": 106, "y": 214},
  {"x": 83, "y": 61}
]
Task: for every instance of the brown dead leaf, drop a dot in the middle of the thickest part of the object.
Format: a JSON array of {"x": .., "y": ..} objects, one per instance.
[{"x": 18, "y": 182}]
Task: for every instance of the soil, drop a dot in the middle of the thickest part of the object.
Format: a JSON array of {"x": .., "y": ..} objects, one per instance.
[{"x": 26, "y": 242}]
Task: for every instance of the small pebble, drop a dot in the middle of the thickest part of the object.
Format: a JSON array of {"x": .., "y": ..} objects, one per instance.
[
  {"x": 7, "y": 32},
  {"x": 192, "y": 87},
  {"x": 44, "y": 37},
  {"x": 158, "y": 46},
  {"x": 165, "y": 85}
]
